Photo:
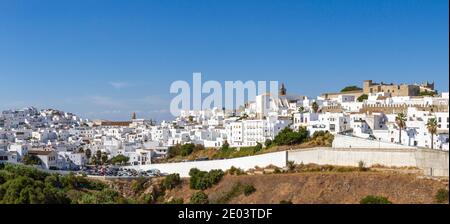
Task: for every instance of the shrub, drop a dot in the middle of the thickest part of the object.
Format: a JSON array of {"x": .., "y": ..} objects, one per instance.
[
  {"x": 138, "y": 184},
  {"x": 201, "y": 180},
  {"x": 370, "y": 199},
  {"x": 183, "y": 150},
  {"x": 199, "y": 198},
  {"x": 442, "y": 196},
  {"x": 235, "y": 171},
  {"x": 277, "y": 170},
  {"x": 171, "y": 181},
  {"x": 235, "y": 191},
  {"x": 258, "y": 147},
  {"x": 287, "y": 202},
  {"x": 187, "y": 149},
  {"x": 362, "y": 166},
  {"x": 225, "y": 145},
  {"x": 176, "y": 201},
  {"x": 146, "y": 199},
  {"x": 106, "y": 196},
  {"x": 290, "y": 165},
  {"x": 249, "y": 189},
  {"x": 199, "y": 147},
  {"x": 268, "y": 143}
]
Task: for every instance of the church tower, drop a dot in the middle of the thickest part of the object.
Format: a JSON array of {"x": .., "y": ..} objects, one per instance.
[{"x": 282, "y": 90}]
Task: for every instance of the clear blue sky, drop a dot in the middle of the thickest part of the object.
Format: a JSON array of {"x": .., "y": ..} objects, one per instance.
[{"x": 104, "y": 59}]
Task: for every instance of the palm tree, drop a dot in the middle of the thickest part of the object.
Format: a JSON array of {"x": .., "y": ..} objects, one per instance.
[
  {"x": 432, "y": 128},
  {"x": 400, "y": 120}
]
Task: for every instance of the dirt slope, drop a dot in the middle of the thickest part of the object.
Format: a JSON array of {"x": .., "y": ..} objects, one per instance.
[{"x": 323, "y": 188}]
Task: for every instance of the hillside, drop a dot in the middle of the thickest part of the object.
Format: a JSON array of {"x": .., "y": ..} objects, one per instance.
[{"x": 322, "y": 188}]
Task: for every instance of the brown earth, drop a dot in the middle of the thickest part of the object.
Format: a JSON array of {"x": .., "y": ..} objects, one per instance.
[{"x": 322, "y": 188}]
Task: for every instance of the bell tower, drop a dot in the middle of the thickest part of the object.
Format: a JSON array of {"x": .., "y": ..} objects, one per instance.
[{"x": 283, "y": 90}]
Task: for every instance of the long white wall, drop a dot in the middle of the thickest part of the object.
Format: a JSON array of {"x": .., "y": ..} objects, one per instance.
[
  {"x": 432, "y": 162},
  {"x": 351, "y": 157},
  {"x": 277, "y": 159},
  {"x": 343, "y": 141}
]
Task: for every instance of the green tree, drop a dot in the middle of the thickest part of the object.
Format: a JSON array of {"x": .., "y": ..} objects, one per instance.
[
  {"x": 88, "y": 154},
  {"x": 350, "y": 88},
  {"x": 199, "y": 197},
  {"x": 187, "y": 149},
  {"x": 432, "y": 128},
  {"x": 31, "y": 160},
  {"x": 400, "y": 120},
  {"x": 104, "y": 158},
  {"x": 98, "y": 156},
  {"x": 171, "y": 181},
  {"x": 225, "y": 145},
  {"x": 427, "y": 93},
  {"x": 362, "y": 98},
  {"x": 201, "y": 180},
  {"x": 119, "y": 159},
  {"x": 289, "y": 137},
  {"x": 258, "y": 147},
  {"x": 315, "y": 107}
]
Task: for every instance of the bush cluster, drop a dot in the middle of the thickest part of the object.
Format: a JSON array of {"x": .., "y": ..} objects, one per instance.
[
  {"x": 199, "y": 198},
  {"x": 202, "y": 180},
  {"x": 290, "y": 137},
  {"x": 184, "y": 150},
  {"x": 24, "y": 185},
  {"x": 171, "y": 181}
]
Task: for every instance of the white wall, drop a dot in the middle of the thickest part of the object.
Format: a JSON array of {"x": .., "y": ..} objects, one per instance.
[
  {"x": 277, "y": 159},
  {"x": 343, "y": 141},
  {"x": 432, "y": 162},
  {"x": 351, "y": 157}
]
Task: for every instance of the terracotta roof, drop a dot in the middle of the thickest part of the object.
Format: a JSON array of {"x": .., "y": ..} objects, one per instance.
[
  {"x": 39, "y": 152},
  {"x": 115, "y": 123}
]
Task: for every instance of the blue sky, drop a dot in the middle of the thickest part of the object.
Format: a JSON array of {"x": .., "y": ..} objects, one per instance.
[{"x": 105, "y": 59}]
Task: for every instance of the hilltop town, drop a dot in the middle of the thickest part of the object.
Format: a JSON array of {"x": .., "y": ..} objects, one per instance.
[{"x": 403, "y": 116}]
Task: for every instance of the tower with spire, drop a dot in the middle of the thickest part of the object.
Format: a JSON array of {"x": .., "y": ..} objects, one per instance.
[{"x": 282, "y": 90}]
